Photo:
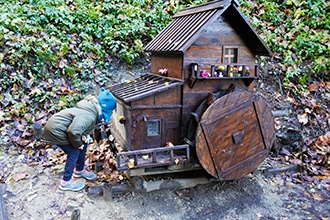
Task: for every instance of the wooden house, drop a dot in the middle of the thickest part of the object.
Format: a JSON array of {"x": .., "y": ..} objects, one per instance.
[{"x": 151, "y": 107}]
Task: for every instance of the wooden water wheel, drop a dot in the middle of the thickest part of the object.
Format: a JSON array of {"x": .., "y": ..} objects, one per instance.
[{"x": 234, "y": 135}]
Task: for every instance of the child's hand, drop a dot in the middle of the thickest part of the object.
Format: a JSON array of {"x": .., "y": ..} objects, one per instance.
[{"x": 87, "y": 139}]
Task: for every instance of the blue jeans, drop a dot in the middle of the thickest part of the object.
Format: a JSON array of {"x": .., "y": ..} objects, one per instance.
[{"x": 75, "y": 159}]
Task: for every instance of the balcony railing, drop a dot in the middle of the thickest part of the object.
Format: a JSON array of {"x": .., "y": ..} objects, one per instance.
[{"x": 223, "y": 71}]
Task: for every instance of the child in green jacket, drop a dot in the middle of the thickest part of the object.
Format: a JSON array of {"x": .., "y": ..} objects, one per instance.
[{"x": 69, "y": 128}]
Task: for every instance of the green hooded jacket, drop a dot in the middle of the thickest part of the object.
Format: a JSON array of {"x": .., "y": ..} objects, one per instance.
[{"x": 69, "y": 125}]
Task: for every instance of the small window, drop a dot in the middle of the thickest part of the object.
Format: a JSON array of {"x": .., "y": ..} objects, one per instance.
[
  {"x": 230, "y": 55},
  {"x": 154, "y": 128}
]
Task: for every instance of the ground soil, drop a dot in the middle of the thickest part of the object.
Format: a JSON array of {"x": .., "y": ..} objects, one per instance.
[
  {"x": 260, "y": 195},
  {"x": 256, "y": 196}
]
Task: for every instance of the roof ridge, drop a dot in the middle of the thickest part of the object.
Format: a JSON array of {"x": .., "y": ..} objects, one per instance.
[
  {"x": 189, "y": 23},
  {"x": 212, "y": 5}
]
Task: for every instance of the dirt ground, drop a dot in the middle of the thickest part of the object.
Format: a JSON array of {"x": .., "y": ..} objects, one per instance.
[
  {"x": 260, "y": 195},
  {"x": 256, "y": 196}
]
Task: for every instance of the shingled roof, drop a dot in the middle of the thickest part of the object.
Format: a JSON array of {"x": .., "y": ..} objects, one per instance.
[
  {"x": 188, "y": 24},
  {"x": 143, "y": 86}
]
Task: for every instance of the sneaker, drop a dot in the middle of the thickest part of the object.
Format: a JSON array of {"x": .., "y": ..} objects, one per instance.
[
  {"x": 72, "y": 185},
  {"x": 89, "y": 175}
]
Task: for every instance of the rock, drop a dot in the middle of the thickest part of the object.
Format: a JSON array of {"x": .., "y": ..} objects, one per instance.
[
  {"x": 72, "y": 205},
  {"x": 289, "y": 137}
]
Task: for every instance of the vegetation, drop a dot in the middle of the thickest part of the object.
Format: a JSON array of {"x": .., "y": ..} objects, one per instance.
[
  {"x": 297, "y": 31},
  {"x": 76, "y": 41},
  {"x": 52, "y": 48}
]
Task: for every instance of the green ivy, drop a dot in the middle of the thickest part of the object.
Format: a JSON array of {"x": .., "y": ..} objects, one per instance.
[
  {"x": 297, "y": 31},
  {"x": 56, "y": 43},
  {"x": 50, "y": 46}
]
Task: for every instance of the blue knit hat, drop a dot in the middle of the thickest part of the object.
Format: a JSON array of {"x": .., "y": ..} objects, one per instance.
[{"x": 108, "y": 103}]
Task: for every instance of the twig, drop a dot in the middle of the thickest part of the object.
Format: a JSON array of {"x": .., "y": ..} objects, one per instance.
[{"x": 280, "y": 85}]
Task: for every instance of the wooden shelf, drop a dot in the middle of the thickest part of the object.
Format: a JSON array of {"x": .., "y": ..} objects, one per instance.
[
  {"x": 247, "y": 80},
  {"x": 195, "y": 73},
  {"x": 161, "y": 156},
  {"x": 241, "y": 77}
]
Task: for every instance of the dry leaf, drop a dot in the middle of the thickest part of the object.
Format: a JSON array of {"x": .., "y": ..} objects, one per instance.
[
  {"x": 313, "y": 87},
  {"x": 303, "y": 119},
  {"x": 259, "y": 215},
  {"x": 317, "y": 197},
  {"x": 130, "y": 163},
  {"x": 145, "y": 157},
  {"x": 20, "y": 175}
]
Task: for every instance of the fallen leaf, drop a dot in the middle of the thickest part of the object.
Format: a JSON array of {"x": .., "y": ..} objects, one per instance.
[
  {"x": 259, "y": 215},
  {"x": 317, "y": 197},
  {"x": 61, "y": 64},
  {"x": 130, "y": 163},
  {"x": 20, "y": 175},
  {"x": 313, "y": 87},
  {"x": 145, "y": 157},
  {"x": 303, "y": 119}
]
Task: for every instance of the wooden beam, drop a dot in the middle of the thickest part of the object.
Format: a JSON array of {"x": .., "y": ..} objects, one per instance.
[
  {"x": 201, "y": 8},
  {"x": 180, "y": 183},
  {"x": 3, "y": 212}
]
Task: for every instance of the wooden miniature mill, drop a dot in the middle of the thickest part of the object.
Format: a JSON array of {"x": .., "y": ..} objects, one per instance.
[{"x": 197, "y": 107}]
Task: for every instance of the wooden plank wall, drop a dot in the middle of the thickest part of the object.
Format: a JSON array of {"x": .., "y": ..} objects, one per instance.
[
  {"x": 206, "y": 51},
  {"x": 165, "y": 106},
  {"x": 172, "y": 61},
  {"x": 122, "y": 132}
]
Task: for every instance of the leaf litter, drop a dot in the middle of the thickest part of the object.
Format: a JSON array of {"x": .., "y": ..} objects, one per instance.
[{"x": 309, "y": 112}]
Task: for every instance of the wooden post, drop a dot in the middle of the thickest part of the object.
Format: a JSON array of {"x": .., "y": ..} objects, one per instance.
[
  {"x": 107, "y": 192},
  {"x": 38, "y": 131},
  {"x": 75, "y": 214},
  {"x": 3, "y": 212}
]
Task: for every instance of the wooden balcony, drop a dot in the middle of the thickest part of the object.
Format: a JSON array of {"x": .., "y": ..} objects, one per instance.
[{"x": 224, "y": 71}]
